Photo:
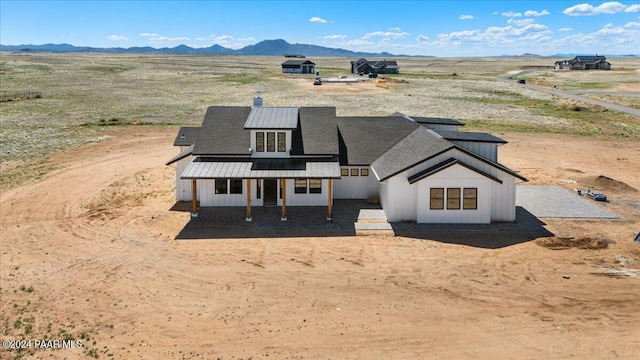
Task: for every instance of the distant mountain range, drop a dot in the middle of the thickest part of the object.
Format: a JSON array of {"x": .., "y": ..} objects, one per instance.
[
  {"x": 267, "y": 47},
  {"x": 277, "y": 47}
]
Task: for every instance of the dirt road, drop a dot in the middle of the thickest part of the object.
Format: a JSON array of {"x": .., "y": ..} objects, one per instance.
[
  {"x": 88, "y": 253},
  {"x": 573, "y": 95}
]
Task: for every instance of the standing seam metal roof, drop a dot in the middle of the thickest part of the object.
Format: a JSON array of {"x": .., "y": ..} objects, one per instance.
[{"x": 272, "y": 118}]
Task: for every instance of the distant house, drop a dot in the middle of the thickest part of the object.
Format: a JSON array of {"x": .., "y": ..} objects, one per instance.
[
  {"x": 298, "y": 67},
  {"x": 364, "y": 66},
  {"x": 582, "y": 62},
  {"x": 422, "y": 169}
]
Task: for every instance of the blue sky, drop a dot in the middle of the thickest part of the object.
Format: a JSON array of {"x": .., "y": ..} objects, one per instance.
[{"x": 440, "y": 28}]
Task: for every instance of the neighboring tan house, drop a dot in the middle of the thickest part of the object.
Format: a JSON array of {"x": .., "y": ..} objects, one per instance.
[
  {"x": 422, "y": 169},
  {"x": 364, "y": 66},
  {"x": 582, "y": 62},
  {"x": 298, "y": 67}
]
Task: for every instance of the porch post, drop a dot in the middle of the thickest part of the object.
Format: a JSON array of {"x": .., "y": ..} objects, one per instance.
[
  {"x": 330, "y": 201},
  {"x": 284, "y": 199},
  {"x": 194, "y": 198},
  {"x": 248, "y": 200}
]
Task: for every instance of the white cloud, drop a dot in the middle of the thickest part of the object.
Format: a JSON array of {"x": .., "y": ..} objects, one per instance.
[
  {"x": 153, "y": 37},
  {"x": 565, "y": 29},
  {"x": 392, "y": 34},
  {"x": 333, "y": 37},
  {"x": 632, "y": 24},
  {"x": 511, "y": 14},
  {"x": 356, "y": 42},
  {"x": 247, "y": 39},
  {"x": 529, "y": 33},
  {"x": 396, "y": 29},
  {"x": 495, "y": 13},
  {"x": 612, "y": 7},
  {"x": 536, "y": 13},
  {"x": 200, "y": 39},
  {"x": 632, "y": 8},
  {"x": 466, "y": 17},
  {"x": 221, "y": 38},
  {"x": 422, "y": 40},
  {"x": 609, "y": 25},
  {"x": 318, "y": 20},
  {"x": 522, "y": 22},
  {"x": 117, "y": 38}
]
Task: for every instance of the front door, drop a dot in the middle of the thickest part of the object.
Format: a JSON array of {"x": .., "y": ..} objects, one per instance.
[{"x": 270, "y": 192}]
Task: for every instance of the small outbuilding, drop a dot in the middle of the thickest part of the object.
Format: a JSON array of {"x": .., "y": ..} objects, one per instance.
[
  {"x": 584, "y": 62},
  {"x": 298, "y": 67}
]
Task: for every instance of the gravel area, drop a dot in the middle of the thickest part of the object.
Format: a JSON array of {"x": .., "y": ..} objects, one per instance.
[{"x": 547, "y": 201}]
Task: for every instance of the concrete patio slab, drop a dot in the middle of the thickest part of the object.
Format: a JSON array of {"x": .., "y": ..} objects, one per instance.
[{"x": 548, "y": 201}]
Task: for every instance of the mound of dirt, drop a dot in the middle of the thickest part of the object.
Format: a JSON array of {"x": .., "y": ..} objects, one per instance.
[
  {"x": 588, "y": 243},
  {"x": 604, "y": 183}
]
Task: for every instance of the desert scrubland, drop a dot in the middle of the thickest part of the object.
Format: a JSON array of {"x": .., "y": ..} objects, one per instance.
[{"x": 88, "y": 241}]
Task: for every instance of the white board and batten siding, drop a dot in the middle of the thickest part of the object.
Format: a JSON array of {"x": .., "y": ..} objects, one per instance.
[
  {"x": 355, "y": 187},
  {"x": 208, "y": 197},
  {"x": 486, "y": 149},
  {"x": 183, "y": 187},
  {"x": 400, "y": 199},
  {"x": 458, "y": 177}
]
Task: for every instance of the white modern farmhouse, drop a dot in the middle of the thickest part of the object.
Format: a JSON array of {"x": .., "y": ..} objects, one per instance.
[{"x": 421, "y": 169}]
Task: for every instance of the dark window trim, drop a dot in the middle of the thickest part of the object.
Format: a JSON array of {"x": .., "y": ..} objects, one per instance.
[
  {"x": 364, "y": 172},
  {"x": 344, "y": 172},
  {"x": 221, "y": 182},
  {"x": 432, "y": 198},
  {"x": 456, "y": 205},
  {"x": 284, "y": 141},
  {"x": 475, "y": 198},
  {"x": 354, "y": 172},
  {"x": 299, "y": 189},
  {"x": 233, "y": 190},
  {"x": 259, "y": 144},
  {"x": 315, "y": 189}
]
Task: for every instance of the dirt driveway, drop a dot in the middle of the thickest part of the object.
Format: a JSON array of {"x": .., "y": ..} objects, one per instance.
[{"x": 88, "y": 253}]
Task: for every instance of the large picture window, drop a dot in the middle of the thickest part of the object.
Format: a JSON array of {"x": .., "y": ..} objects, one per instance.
[
  {"x": 453, "y": 199},
  {"x": 282, "y": 142},
  {"x": 470, "y": 201},
  {"x": 315, "y": 186},
  {"x": 271, "y": 142},
  {"x": 221, "y": 186},
  {"x": 260, "y": 141},
  {"x": 436, "y": 199},
  {"x": 301, "y": 186},
  {"x": 235, "y": 186}
]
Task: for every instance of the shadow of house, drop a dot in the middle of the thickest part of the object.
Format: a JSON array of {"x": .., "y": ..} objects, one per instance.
[
  {"x": 311, "y": 221},
  {"x": 487, "y": 236}
]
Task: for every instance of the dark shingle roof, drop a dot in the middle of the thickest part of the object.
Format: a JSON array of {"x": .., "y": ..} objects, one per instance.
[
  {"x": 415, "y": 148},
  {"x": 433, "y": 120},
  {"x": 223, "y": 132},
  {"x": 317, "y": 132},
  {"x": 364, "y": 139},
  {"x": 297, "y": 62},
  {"x": 470, "y": 136},
  {"x": 445, "y": 164},
  {"x": 183, "y": 154},
  {"x": 186, "y": 136}
]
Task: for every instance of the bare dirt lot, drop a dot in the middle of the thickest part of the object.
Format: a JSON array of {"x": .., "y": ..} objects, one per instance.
[{"x": 88, "y": 253}]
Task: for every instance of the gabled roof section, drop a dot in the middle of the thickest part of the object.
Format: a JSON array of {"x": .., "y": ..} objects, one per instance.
[
  {"x": 446, "y": 164},
  {"x": 183, "y": 154},
  {"x": 588, "y": 59},
  {"x": 317, "y": 132},
  {"x": 470, "y": 136},
  {"x": 222, "y": 132},
  {"x": 364, "y": 139},
  {"x": 186, "y": 136},
  {"x": 298, "y": 62},
  {"x": 415, "y": 148},
  {"x": 490, "y": 162},
  {"x": 272, "y": 118}
]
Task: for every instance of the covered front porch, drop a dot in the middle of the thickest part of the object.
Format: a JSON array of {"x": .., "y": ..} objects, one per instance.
[{"x": 254, "y": 183}]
